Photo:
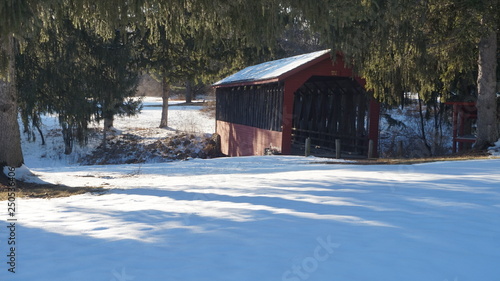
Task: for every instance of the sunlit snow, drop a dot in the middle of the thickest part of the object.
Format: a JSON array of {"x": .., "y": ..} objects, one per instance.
[
  {"x": 271, "y": 69},
  {"x": 266, "y": 218}
]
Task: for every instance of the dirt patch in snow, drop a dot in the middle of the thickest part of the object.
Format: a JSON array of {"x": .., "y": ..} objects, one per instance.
[{"x": 46, "y": 191}]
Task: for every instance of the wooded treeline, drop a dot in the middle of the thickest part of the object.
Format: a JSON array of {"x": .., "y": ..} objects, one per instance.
[{"x": 448, "y": 47}]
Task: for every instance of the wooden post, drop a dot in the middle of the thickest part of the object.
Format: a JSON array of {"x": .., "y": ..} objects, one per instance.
[
  {"x": 308, "y": 147},
  {"x": 337, "y": 148},
  {"x": 455, "y": 128},
  {"x": 370, "y": 149},
  {"x": 373, "y": 125}
]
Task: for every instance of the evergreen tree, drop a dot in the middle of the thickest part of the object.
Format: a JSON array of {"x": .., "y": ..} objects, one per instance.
[
  {"x": 77, "y": 75},
  {"x": 114, "y": 76},
  {"x": 297, "y": 38},
  {"x": 417, "y": 46},
  {"x": 21, "y": 18},
  {"x": 183, "y": 60}
]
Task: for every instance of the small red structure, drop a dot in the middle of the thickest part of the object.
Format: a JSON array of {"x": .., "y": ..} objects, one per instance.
[
  {"x": 278, "y": 104},
  {"x": 464, "y": 116}
]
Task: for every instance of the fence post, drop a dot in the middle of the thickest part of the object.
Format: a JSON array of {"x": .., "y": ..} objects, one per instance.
[
  {"x": 337, "y": 148},
  {"x": 370, "y": 149},
  {"x": 308, "y": 147}
]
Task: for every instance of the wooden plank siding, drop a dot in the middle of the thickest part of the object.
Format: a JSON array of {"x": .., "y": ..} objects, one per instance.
[
  {"x": 258, "y": 106},
  {"x": 241, "y": 140}
]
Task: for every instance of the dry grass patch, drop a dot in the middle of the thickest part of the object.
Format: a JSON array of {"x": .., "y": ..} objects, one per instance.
[
  {"x": 410, "y": 161},
  {"x": 34, "y": 190}
]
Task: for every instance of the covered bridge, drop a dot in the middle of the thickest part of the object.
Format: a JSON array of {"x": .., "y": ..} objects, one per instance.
[{"x": 278, "y": 104}]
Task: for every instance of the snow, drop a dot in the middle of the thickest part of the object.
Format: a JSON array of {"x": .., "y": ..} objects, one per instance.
[
  {"x": 264, "y": 218},
  {"x": 495, "y": 150},
  {"x": 181, "y": 118},
  {"x": 408, "y": 130},
  {"x": 23, "y": 173},
  {"x": 258, "y": 218},
  {"x": 271, "y": 69}
]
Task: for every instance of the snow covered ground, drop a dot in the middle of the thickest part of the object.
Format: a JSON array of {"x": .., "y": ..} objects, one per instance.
[
  {"x": 187, "y": 119},
  {"x": 276, "y": 218},
  {"x": 495, "y": 150}
]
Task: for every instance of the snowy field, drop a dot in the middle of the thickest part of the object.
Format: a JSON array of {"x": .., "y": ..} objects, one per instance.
[{"x": 260, "y": 218}]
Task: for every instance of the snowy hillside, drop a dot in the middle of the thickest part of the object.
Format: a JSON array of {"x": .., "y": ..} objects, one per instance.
[{"x": 273, "y": 218}]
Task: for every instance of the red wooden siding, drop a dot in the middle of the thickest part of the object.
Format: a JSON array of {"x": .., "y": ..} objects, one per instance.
[
  {"x": 241, "y": 140},
  {"x": 325, "y": 67}
]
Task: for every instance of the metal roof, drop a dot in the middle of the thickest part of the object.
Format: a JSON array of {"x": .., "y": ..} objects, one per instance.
[{"x": 271, "y": 69}]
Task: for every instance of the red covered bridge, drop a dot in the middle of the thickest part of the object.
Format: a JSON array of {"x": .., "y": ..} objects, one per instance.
[{"x": 278, "y": 104}]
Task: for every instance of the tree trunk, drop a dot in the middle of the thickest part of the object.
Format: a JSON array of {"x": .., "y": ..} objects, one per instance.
[
  {"x": 422, "y": 126},
  {"x": 108, "y": 122},
  {"x": 67, "y": 132},
  {"x": 109, "y": 112},
  {"x": 10, "y": 137},
  {"x": 487, "y": 123},
  {"x": 41, "y": 133},
  {"x": 165, "y": 95},
  {"x": 189, "y": 91}
]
